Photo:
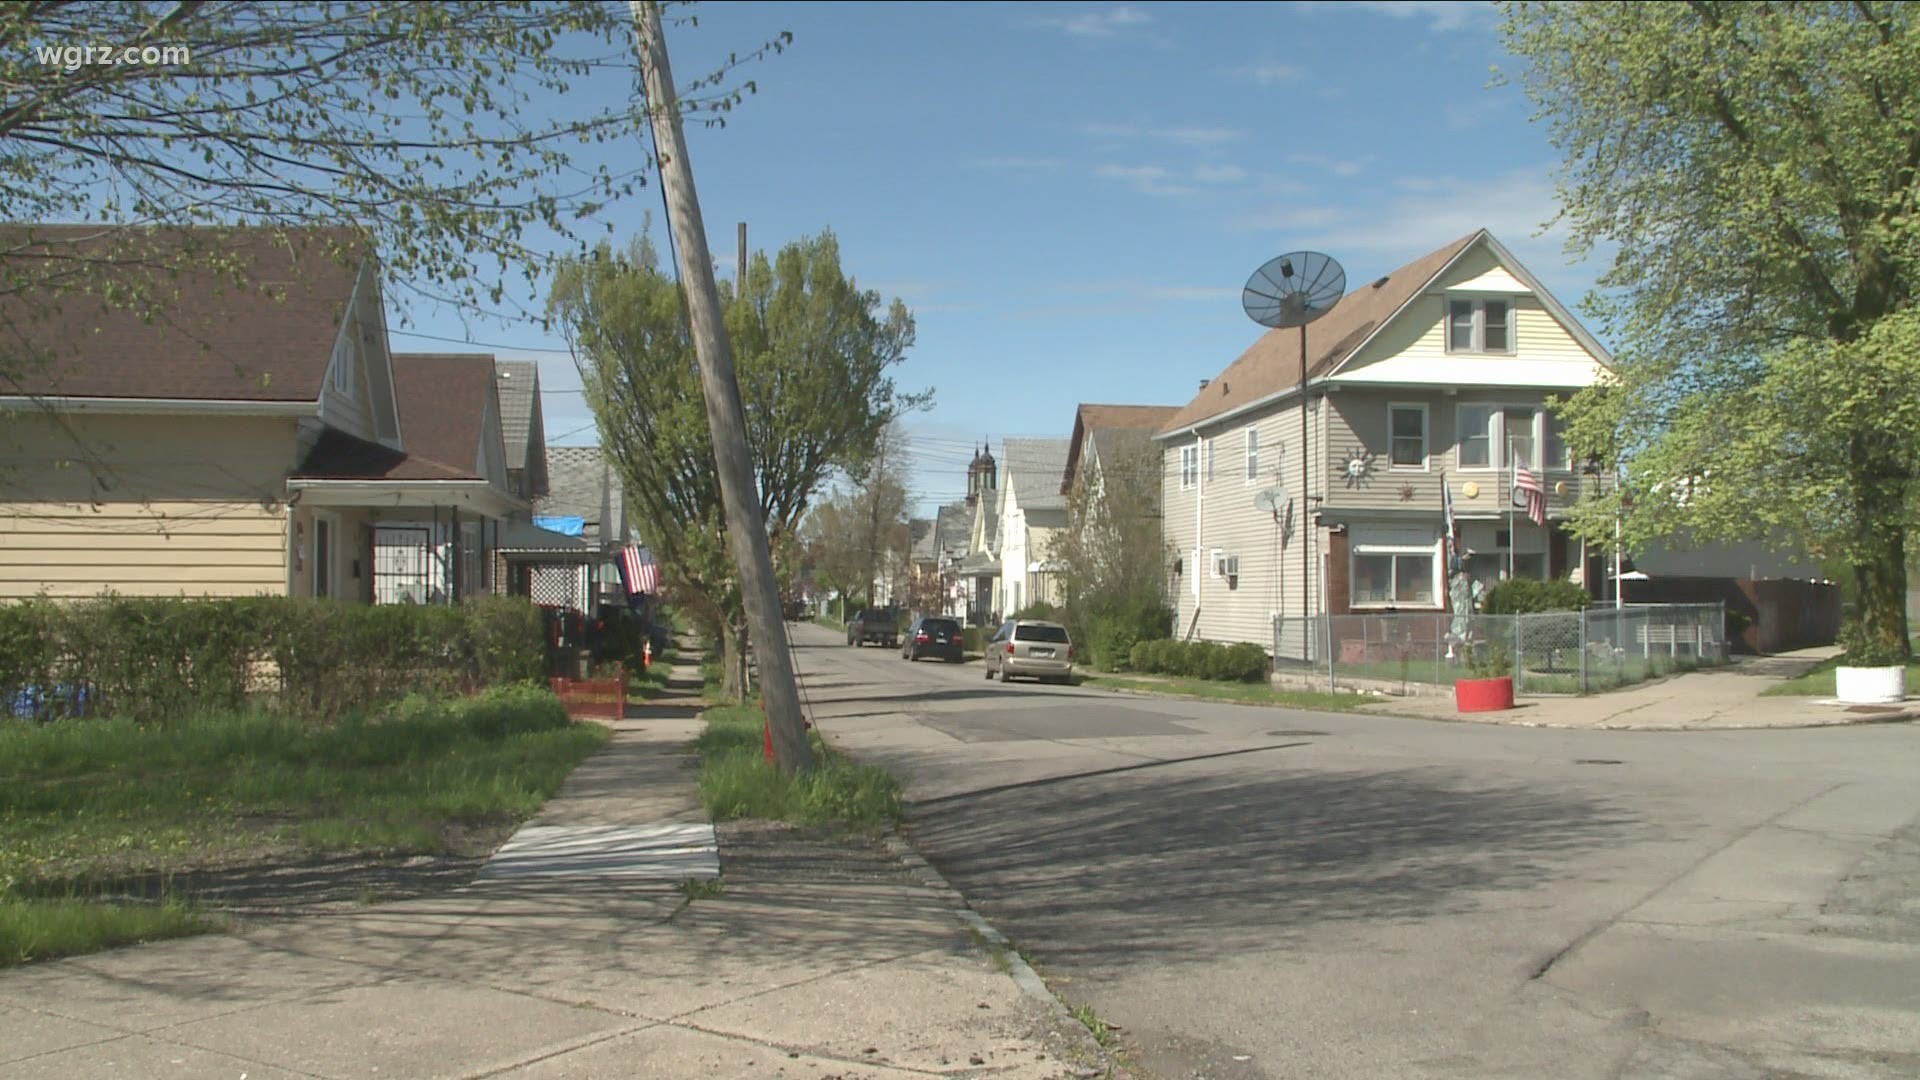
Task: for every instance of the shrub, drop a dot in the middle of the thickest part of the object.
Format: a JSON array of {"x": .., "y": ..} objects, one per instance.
[
  {"x": 1039, "y": 609},
  {"x": 1524, "y": 596},
  {"x": 1111, "y": 634},
  {"x": 151, "y": 659}
]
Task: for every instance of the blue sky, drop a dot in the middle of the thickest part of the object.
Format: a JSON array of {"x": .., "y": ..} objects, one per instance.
[{"x": 1069, "y": 196}]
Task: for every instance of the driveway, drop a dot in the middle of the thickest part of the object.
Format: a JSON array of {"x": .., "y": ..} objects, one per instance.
[{"x": 1252, "y": 892}]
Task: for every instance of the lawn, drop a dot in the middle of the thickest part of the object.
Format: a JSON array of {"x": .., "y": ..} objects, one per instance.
[
  {"x": 736, "y": 781},
  {"x": 1246, "y": 693},
  {"x": 87, "y": 805}
]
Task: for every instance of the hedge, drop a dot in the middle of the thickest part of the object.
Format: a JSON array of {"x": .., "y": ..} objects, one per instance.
[
  {"x": 1242, "y": 662},
  {"x": 1524, "y": 596},
  {"x": 152, "y": 659},
  {"x": 1111, "y": 635}
]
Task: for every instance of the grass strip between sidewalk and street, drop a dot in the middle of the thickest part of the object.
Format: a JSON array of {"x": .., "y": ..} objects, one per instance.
[
  {"x": 1820, "y": 682},
  {"x": 89, "y": 806},
  {"x": 1244, "y": 693},
  {"x": 736, "y": 780}
]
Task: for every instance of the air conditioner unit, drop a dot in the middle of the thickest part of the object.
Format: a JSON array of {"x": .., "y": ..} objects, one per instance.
[{"x": 1225, "y": 566}]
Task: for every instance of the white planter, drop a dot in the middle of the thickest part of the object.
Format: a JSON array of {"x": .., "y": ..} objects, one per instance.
[{"x": 1871, "y": 685}]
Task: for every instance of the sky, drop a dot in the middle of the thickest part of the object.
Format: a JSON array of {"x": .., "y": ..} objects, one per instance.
[{"x": 1069, "y": 197}]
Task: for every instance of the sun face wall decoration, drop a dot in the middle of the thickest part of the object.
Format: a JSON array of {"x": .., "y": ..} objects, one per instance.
[{"x": 1358, "y": 467}]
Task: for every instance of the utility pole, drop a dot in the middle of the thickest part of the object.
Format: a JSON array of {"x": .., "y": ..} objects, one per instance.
[
  {"x": 746, "y": 528},
  {"x": 740, "y": 282}
]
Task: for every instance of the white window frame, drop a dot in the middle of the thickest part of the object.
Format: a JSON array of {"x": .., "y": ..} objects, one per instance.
[
  {"x": 1426, "y": 436},
  {"x": 1253, "y": 454},
  {"x": 1547, "y": 423},
  {"x": 1189, "y": 467},
  {"x": 1497, "y": 437},
  {"x": 1396, "y": 551},
  {"x": 1478, "y": 344},
  {"x": 343, "y": 366}
]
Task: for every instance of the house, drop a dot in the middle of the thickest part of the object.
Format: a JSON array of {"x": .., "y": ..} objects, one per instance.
[
  {"x": 523, "y": 426},
  {"x": 948, "y": 544},
  {"x": 1115, "y": 442},
  {"x": 566, "y": 556},
  {"x": 978, "y": 569},
  {"x": 1032, "y": 512},
  {"x": 216, "y": 411},
  {"x": 1436, "y": 373}
]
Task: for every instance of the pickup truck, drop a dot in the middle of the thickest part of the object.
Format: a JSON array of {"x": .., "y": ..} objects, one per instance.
[{"x": 880, "y": 625}]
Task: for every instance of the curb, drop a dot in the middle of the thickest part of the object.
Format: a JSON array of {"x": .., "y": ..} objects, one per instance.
[{"x": 1022, "y": 972}]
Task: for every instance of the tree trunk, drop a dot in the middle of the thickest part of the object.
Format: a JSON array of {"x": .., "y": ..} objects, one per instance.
[
  {"x": 732, "y": 655},
  {"x": 1880, "y": 564}
]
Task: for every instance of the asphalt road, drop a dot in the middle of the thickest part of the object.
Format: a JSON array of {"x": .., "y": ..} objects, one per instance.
[{"x": 1252, "y": 892}]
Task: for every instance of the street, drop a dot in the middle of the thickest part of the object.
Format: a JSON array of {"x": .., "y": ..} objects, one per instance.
[{"x": 1252, "y": 892}]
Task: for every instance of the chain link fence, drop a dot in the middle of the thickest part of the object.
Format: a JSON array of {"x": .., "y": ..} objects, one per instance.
[{"x": 1561, "y": 652}]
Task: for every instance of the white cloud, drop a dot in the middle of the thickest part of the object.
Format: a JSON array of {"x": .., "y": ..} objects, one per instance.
[
  {"x": 1194, "y": 292},
  {"x": 1219, "y": 174},
  {"x": 1337, "y": 166},
  {"x": 1270, "y": 73},
  {"x": 1097, "y": 24},
  {"x": 1441, "y": 15},
  {"x": 1146, "y": 179},
  {"x": 1291, "y": 217},
  {"x": 1430, "y": 212}
]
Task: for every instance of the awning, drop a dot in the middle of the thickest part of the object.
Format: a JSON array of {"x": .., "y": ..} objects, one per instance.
[{"x": 521, "y": 537}]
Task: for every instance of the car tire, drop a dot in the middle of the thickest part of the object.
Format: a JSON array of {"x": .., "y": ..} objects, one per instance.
[{"x": 988, "y": 672}]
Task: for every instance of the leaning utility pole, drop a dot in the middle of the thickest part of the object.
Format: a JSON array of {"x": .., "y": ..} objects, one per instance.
[{"x": 746, "y": 528}]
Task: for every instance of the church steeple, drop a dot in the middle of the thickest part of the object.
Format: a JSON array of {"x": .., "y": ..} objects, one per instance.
[{"x": 982, "y": 475}]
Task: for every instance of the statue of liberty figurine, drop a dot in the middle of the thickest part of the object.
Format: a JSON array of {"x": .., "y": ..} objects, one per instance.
[{"x": 1464, "y": 594}]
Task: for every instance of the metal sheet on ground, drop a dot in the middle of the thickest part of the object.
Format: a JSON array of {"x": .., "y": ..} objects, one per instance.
[{"x": 670, "y": 852}]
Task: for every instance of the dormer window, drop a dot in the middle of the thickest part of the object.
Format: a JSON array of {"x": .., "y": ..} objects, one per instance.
[
  {"x": 343, "y": 367},
  {"x": 1480, "y": 326}
]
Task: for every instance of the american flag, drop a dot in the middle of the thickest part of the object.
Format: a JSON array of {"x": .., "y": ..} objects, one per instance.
[
  {"x": 1446, "y": 511},
  {"x": 1524, "y": 480},
  {"x": 638, "y": 567}
]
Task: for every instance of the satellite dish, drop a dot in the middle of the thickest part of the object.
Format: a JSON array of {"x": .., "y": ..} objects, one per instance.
[
  {"x": 1294, "y": 289},
  {"x": 1270, "y": 501}
]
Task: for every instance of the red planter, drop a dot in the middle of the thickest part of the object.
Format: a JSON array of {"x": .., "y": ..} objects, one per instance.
[{"x": 1483, "y": 695}]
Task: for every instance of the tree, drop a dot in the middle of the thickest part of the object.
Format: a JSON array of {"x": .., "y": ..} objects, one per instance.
[
  {"x": 881, "y": 502},
  {"x": 831, "y": 536},
  {"x": 813, "y": 358},
  {"x": 1112, "y": 553},
  {"x": 1758, "y": 167}
]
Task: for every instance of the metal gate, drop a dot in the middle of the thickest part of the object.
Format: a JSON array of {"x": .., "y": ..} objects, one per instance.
[{"x": 406, "y": 569}]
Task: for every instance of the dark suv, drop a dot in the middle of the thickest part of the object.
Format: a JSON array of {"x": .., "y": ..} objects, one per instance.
[
  {"x": 931, "y": 635},
  {"x": 880, "y": 625}
]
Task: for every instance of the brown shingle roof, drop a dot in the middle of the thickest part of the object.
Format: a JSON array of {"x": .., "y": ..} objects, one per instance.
[
  {"x": 1272, "y": 364},
  {"x": 225, "y": 314},
  {"x": 1094, "y": 418},
  {"x": 443, "y": 409}
]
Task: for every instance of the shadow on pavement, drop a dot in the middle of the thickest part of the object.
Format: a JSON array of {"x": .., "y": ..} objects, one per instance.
[{"x": 1203, "y": 867}]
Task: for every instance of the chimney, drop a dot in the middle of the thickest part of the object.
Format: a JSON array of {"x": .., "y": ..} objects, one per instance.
[{"x": 1204, "y": 382}]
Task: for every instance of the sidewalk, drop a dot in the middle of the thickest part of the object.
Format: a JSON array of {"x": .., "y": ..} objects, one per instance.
[
  {"x": 580, "y": 951},
  {"x": 1719, "y": 699}
]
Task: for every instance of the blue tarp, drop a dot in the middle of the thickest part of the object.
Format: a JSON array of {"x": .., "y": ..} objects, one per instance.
[{"x": 568, "y": 526}]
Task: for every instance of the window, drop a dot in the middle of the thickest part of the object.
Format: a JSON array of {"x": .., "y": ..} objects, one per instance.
[
  {"x": 1558, "y": 454},
  {"x": 1476, "y": 436},
  {"x": 1383, "y": 577},
  {"x": 1056, "y": 635},
  {"x": 1407, "y": 425},
  {"x": 1253, "y": 454},
  {"x": 1516, "y": 437},
  {"x": 343, "y": 367},
  {"x": 1480, "y": 326},
  {"x": 1189, "y": 466}
]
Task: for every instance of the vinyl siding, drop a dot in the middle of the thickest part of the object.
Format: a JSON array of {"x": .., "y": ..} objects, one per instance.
[
  {"x": 194, "y": 506},
  {"x": 1358, "y": 422},
  {"x": 1270, "y": 580}
]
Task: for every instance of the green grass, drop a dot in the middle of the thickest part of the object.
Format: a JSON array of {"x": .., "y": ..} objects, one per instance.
[
  {"x": 84, "y": 802},
  {"x": 1248, "y": 693},
  {"x": 42, "y": 929},
  {"x": 737, "y": 782},
  {"x": 1820, "y": 682},
  {"x": 831, "y": 623},
  {"x": 1602, "y": 675}
]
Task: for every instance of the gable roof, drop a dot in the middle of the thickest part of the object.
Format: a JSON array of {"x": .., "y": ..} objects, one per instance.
[
  {"x": 1272, "y": 365},
  {"x": 580, "y": 484},
  {"x": 951, "y": 525},
  {"x": 1031, "y": 471},
  {"x": 1105, "y": 420},
  {"x": 443, "y": 400},
  {"x": 519, "y": 388},
  {"x": 223, "y": 314}
]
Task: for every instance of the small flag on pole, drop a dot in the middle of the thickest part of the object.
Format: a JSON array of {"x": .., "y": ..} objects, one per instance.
[
  {"x": 638, "y": 567},
  {"x": 1525, "y": 481}
]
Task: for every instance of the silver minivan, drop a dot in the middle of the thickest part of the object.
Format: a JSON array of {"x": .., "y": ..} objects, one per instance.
[{"x": 1030, "y": 647}]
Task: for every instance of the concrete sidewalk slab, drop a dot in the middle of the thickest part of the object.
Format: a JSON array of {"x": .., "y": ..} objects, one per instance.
[{"x": 668, "y": 851}]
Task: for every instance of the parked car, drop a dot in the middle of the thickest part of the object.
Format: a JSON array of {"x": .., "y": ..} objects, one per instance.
[
  {"x": 932, "y": 635},
  {"x": 1030, "y": 647},
  {"x": 880, "y": 625}
]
